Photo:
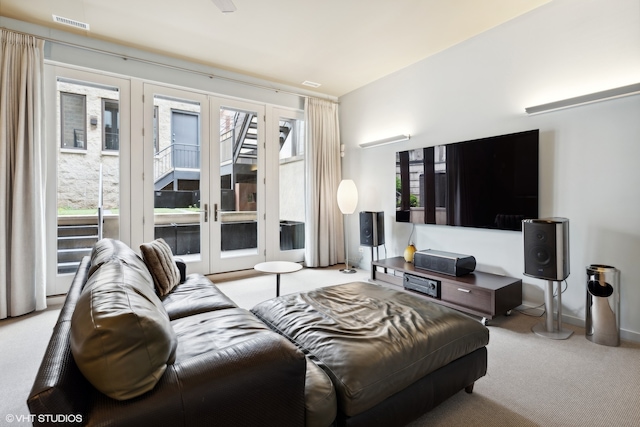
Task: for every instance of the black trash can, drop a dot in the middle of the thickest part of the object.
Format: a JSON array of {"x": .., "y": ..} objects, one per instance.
[{"x": 602, "y": 323}]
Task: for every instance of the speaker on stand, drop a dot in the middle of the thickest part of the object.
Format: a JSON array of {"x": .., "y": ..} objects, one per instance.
[
  {"x": 372, "y": 230},
  {"x": 546, "y": 256}
]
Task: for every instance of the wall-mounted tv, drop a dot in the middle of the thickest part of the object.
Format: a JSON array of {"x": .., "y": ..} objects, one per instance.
[{"x": 483, "y": 183}]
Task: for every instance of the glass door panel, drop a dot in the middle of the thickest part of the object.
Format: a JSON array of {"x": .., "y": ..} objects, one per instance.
[
  {"x": 176, "y": 148},
  {"x": 238, "y": 182},
  {"x": 88, "y": 169},
  {"x": 291, "y": 185},
  {"x": 239, "y": 210}
]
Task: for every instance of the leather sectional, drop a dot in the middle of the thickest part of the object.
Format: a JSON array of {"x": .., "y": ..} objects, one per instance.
[{"x": 122, "y": 353}]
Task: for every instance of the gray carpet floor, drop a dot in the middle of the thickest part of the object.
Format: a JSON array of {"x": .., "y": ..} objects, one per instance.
[{"x": 531, "y": 381}]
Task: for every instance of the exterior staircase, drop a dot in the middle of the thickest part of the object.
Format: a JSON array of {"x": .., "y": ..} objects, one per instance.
[{"x": 74, "y": 242}]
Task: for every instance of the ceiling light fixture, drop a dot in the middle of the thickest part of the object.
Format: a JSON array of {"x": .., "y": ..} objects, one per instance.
[
  {"x": 385, "y": 141},
  {"x": 619, "y": 92},
  {"x": 311, "y": 84},
  {"x": 225, "y": 6}
]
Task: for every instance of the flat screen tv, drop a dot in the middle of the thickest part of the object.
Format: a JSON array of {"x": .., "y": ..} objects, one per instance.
[{"x": 483, "y": 183}]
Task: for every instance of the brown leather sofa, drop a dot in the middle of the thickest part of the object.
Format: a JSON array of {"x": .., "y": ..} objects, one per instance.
[{"x": 189, "y": 358}]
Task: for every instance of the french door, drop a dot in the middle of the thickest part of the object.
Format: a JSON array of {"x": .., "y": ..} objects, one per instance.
[
  {"x": 221, "y": 180},
  {"x": 176, "y": 173},
  {"x": 204, "y": 178},
  {"x": 238, "y": 177},
  {"x": 88, "y": 134}
]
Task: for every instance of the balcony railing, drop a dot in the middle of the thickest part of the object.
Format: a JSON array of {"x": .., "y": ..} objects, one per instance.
[{"x": 176, "y": 156}]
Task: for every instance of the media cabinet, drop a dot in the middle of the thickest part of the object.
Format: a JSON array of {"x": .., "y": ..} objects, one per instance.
[{"x": 481, "y": 294}]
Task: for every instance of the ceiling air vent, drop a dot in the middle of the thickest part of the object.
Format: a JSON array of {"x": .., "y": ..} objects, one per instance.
[
  {"x": 70, "y": 22},
  {"x": 311, "y": 84}
]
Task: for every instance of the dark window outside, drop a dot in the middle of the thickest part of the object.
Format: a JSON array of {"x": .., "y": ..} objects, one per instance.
[
  {"x": 111, "y": 125},
  {"x": 73, "y": 109}
]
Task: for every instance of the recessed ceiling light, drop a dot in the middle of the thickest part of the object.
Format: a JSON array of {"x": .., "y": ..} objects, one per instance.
[
  {"x": 225, "y": 6},
  {"x": 311, "y": 84},
  {"x": 70, "y": 22}
]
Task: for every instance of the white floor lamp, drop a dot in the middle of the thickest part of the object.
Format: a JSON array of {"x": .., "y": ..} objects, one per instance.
[{"x": 347, "y": 202}]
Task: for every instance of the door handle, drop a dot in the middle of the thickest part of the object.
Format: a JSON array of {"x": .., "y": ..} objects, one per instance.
[
  {"x": 205, "y": 211},
  {"x": 466, "y": 291},
  {"x": 215, "y": 212}
]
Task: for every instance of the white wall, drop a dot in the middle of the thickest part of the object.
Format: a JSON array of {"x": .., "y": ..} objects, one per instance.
[{"x": 589, "y": 155}]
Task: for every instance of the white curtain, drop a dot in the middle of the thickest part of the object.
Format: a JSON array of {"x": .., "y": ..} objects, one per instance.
[
  {"x": 22, "y": 182},
  {"x": 324, "y": 234}
]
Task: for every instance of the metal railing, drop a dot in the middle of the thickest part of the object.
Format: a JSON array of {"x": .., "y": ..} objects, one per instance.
[{"x": 184, "y": 156}]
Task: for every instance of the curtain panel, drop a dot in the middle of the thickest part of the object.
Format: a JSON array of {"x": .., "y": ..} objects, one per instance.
[
  {"x": 22, "y": 175},
  {"x": 324, "y": 233}
]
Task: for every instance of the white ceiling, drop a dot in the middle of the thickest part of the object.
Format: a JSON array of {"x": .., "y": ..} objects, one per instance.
[{"x": 341, "y": 44}]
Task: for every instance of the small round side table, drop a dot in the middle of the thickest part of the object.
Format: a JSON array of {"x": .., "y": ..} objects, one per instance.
[{"x": 277, "y": 268}]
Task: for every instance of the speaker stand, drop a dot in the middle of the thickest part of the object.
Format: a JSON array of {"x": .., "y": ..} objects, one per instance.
[
  {"x": 377, "y": 258},
  {"x": 548, "y": 329}
]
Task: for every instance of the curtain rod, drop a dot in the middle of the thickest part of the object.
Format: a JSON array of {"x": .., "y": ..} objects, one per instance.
[{"x": 172, "y": 67}]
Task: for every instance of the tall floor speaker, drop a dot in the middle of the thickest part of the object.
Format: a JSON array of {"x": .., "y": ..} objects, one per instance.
[
  {"x": 371, "y": 228},
  {"x": 546, "y": 256}
]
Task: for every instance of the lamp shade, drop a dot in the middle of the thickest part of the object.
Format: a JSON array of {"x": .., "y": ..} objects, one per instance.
[{"x": 347, "y": 196}]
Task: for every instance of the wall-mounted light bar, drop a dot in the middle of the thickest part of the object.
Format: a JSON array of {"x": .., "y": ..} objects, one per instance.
[
  {"x": 619, "y": 92},
  {"x": 385, "y": 141}
]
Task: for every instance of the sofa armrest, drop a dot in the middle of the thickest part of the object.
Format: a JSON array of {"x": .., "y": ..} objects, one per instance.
[
  {"x": 182, "y": 267},
  {"x": 59, "y": 387}
]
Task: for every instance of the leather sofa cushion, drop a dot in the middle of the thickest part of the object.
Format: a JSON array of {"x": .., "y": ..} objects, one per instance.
[
  {"x": 214, "y": 330},
  {"x": 372, "y": 341},
  {"x": 121, "y": 336},
  {"x": 158, "y": 257},
  {"x": 195, "y": 295},
  {"x": 219, "y": 331},
  {"x": 108, "y": 249},
  {"x": 320, "y": 402}
]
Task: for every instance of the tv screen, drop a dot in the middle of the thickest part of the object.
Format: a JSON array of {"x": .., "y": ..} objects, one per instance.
[{"x": 483, "y": 183}]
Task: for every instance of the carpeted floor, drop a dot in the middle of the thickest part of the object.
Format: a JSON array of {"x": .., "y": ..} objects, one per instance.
[
  {"x": 531, "y": 381},
  {"x": 23, "y": 341}
]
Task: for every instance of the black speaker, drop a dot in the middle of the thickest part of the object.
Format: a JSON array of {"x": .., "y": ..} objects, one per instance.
[
  {"x": 371, "y": 228},
  {"x": 546, "y": 248},
  {"x": 444, "y": 262}
]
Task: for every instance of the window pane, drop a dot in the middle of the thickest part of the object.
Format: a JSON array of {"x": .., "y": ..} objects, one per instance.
[
  {"x": 177, "y": 164},
  {"x": 73, "y": 120},
  {"x": 88, "y": 196},
  {"x": 238, "y": 182},
  {"x": 292, "y": 202},
  {"x": 111, "y": 124}
]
